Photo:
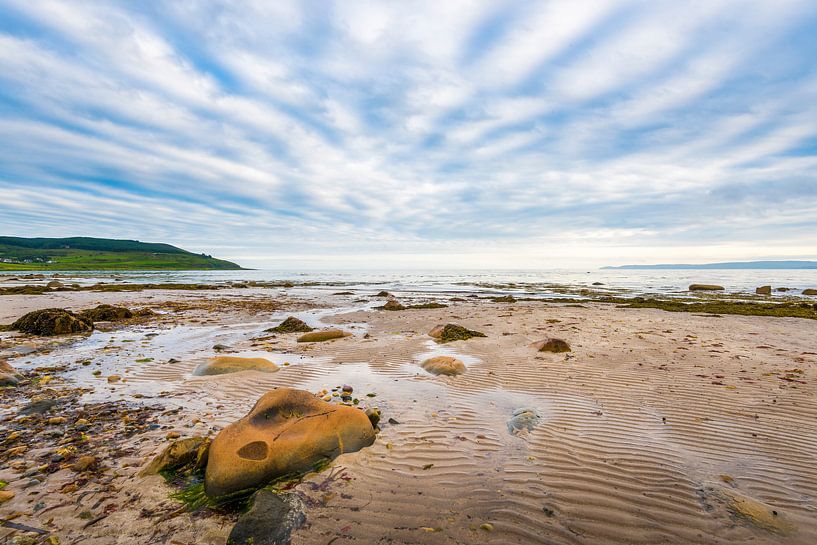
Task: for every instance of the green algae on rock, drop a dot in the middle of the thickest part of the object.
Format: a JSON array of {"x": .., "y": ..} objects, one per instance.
[
  {"x": 52, "y": 321},
  {"x": 178, "y": 454},
  {"x": 106, "y": 313},
  {"x": 453, "y": 332},
  {"x": 786, "y": 309},
  {"x": 291, "y": 325}
]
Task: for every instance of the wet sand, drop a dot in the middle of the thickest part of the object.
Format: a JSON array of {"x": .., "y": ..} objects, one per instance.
[{"x": 646, "y": 428}]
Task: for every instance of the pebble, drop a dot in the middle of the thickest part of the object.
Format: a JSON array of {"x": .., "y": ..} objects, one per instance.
[
  {"x": 487, "y": 526},
  {"x": 114, "y": 378},
  {"x": 6, "y": 495}
]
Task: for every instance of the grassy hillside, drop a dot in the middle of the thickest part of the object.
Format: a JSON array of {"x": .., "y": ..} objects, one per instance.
[{"x": 85, "y": 253}]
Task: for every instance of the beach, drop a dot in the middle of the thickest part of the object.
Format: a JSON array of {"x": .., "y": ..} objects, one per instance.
[{"x": 656, "y": 427}]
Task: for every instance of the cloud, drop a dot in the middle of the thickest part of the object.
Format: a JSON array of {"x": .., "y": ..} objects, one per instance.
[{"x": 457, "y": 133}]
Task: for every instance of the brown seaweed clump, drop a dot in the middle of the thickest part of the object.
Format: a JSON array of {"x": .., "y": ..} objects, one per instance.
[
  {"x": 392, "y": 304},
  {"x": 106, "y": 313},
  {"x": 291, "y": 325},
  {"x": 453, "y": 332},
  {"x": 52, "y": 321}
]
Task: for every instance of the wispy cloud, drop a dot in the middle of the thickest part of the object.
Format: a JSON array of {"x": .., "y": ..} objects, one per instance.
[{"x": 458, "y": 133}]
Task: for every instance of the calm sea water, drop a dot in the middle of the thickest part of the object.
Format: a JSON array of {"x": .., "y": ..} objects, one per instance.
[{"x": 545, "y": 283}]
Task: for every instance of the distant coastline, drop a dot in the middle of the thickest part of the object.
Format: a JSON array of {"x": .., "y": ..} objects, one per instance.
[{"x": 727, "y": 265}]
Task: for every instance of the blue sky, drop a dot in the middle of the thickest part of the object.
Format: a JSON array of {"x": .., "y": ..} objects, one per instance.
[{"x": 477, "y": 134}]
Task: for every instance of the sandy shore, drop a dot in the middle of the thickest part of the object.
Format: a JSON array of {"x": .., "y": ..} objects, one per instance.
[{"x": 649, "y": 429}]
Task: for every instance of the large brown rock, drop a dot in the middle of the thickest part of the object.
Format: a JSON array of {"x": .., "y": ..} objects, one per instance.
[
  {"x": 320, "y": 336},
  {"x": 222, "y": 365},
  {"x": 288, "y": 431},
  {"x": 52, "y": 321},
  {"x": 443, "y": 365},
  {"x": 763, "y": 290},
  {"x": 552, "y": 345}
]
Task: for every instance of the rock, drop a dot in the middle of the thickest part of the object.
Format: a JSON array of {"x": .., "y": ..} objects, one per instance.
[
  {"x": 705, "y": 287},
  {"x": 52, "y": 321},
  {"x": 453, "y": 332},
  {"x": 374, "y": 416},
  {"x": 114, "y": 378},
  {"x": 8, "y": 376},
  {"x": 291, "y": 325},
  {"x": 177, "y": 454},
  {"x": 325, "y": 335},
  {"x": 810, "y": 291},
  {"x": 552, "y": 345},
  {"x": 782, "y": 290},
  {"x": 504, "y": 299},
  {"x": 598, "y": 283},
  {"x": 288, "y": 431},
  {"x": 222, "y": 365},
  {"x": 444, "y": 365},
  {"x": 270, "y": 520},
  {"x": 38, "y": 406},
  {"x": 523, "y": 420},
  {"x": 393, "y": 304},
  {"x": 54, "y": 284},
  {"x": 6, "y": 495},
  {"x": 84, "y": 463},
  {"x": 763, "y": 290},
  {"x": 106, "y": 313},
  {"x": 383, "y": 294},
  {"x": 756, "y": 512}
]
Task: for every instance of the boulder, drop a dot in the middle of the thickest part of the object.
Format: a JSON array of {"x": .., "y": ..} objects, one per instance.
[
  {"x": 444, "y": 365},
  {"x": 270, "y": 520},
  {"x": 552, "y": 345},
  {"x": 222, "y": 365},
  {"x": 106, "y": 313},
  {"x": 810, "y": 291},
  {"x": 288, "y": 431},
  {"x": 52, "y": 321},
  {"x": 325, "y": 335},
  {"x": 705, "y": 287},
  {"x": 291, "y": 325},
  {"x": 453, "y": 332},
  {"x": 55, "y": 284},
  {"x": 763, "y": 290},
  {"x": 176, "y": 455},
  {"x": 393, "y": 304}
]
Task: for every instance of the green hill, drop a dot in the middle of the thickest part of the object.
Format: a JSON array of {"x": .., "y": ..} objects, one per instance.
[{"x": 86, "y": 253}]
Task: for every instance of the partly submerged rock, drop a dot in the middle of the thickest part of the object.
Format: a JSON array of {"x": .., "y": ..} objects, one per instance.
[
  {"x": 222, "y": 365},
  {"x": 325, "y": 335},
  {"x": 288, "y": 431},
  {"x": 444, "y": 365},
  {"x": 754, "y": 511},
  {"x": 453, "y": 332},
  {"x": 523, "y": 420},
  {"x": 291, "y": 325},
  {"x": 383, "y": 294},
  {"x": 176, "y": 455},
  {"x": 705, "y": 287},
  {"x": 52, "y": 321},
  {"x": 552, "y": 345},
  {"x": 810, "y": 291},
  {"x": 106, "y": 313},
  {"x": 392, "y": 304},
  {"x": 55, "y": 284},
  {"x": 270, "y": 520},
  {"x": 504, "y": 299},
  {"x": 763, "y": 290}
]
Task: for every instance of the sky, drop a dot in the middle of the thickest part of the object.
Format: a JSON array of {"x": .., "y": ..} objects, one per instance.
[{"x": 402, "y": 134}]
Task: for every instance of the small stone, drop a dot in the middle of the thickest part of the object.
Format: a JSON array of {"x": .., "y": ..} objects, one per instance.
[
  {"x": 114, "y": 378},
  {"x": 56, "y": 420},
  {"x": 6, "y": 495},
  {"x": 487, "y": 526},
  {"x": 173, "y": 435},
  {"x": 84, "y": 463}
]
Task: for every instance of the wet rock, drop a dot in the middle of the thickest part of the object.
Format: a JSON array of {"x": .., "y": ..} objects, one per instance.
[
  {"x": 552, "y": 345},
  {"x": 705, "y": 287},
  {"x": 453, "y": 332},
  {"x": 320, "y": 336},
  {"x": 444, "y": 365},
  {"x": 222, "y": 365},
  {"x": 756, "y": 512},
  {"x": 291, "y": 325},
  {"x": 106, "y": 313},
  {"x": 374, "y": 416},
  {"x": 287, "y": 431},
  {"x": 6, "y": 495},
  {"x": 383, "y": 294},
  {"x": 598, "y": 283},
  {"x": 114, "y": 378},
  {"x": 39, "y": 406},
  {"x": 523, "y": 420},
  {"x": 8, "y": 376},
  {"x": 178, "y": 454},
  {"x": 85, "y": 463},
  {"x": 782, "y": 290},
  {"x": 810, "y": 291},
  {"x": 504, "y": 299},
  {"x": 52, "y": 321},
  {"x": 221, "y": 347},
  {"x": 55, "y": 284},
  {"x": 393, "y": 304},
  {"x": 270, "y": 520},
  {"x": 763, "y": 290}
]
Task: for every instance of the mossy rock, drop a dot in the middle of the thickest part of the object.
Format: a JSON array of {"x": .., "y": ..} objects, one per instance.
[
  {"x": 453, "y": 332},
  {"x": 223, "y": 365},
  {"x": 552, "y": 345},
  {"x": 320, "y": 336},
  {"x": 431, "y": 305},
  {"x": 705, "y": 287},
  {"x": 763, "y": 290},
  {"x": 444, "y": 365},
  {"x": 106, "y": 313},
  {"x": 291, "y": 325},
  {"x": 177, "y": 455},
  {"x": 392, "y": 304},
  {"x": 810, "y": 292},
  {"x": 52, "y": 321}
]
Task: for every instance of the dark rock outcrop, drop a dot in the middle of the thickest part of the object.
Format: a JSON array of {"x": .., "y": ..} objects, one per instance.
[{"x": 52, "y": 321}]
